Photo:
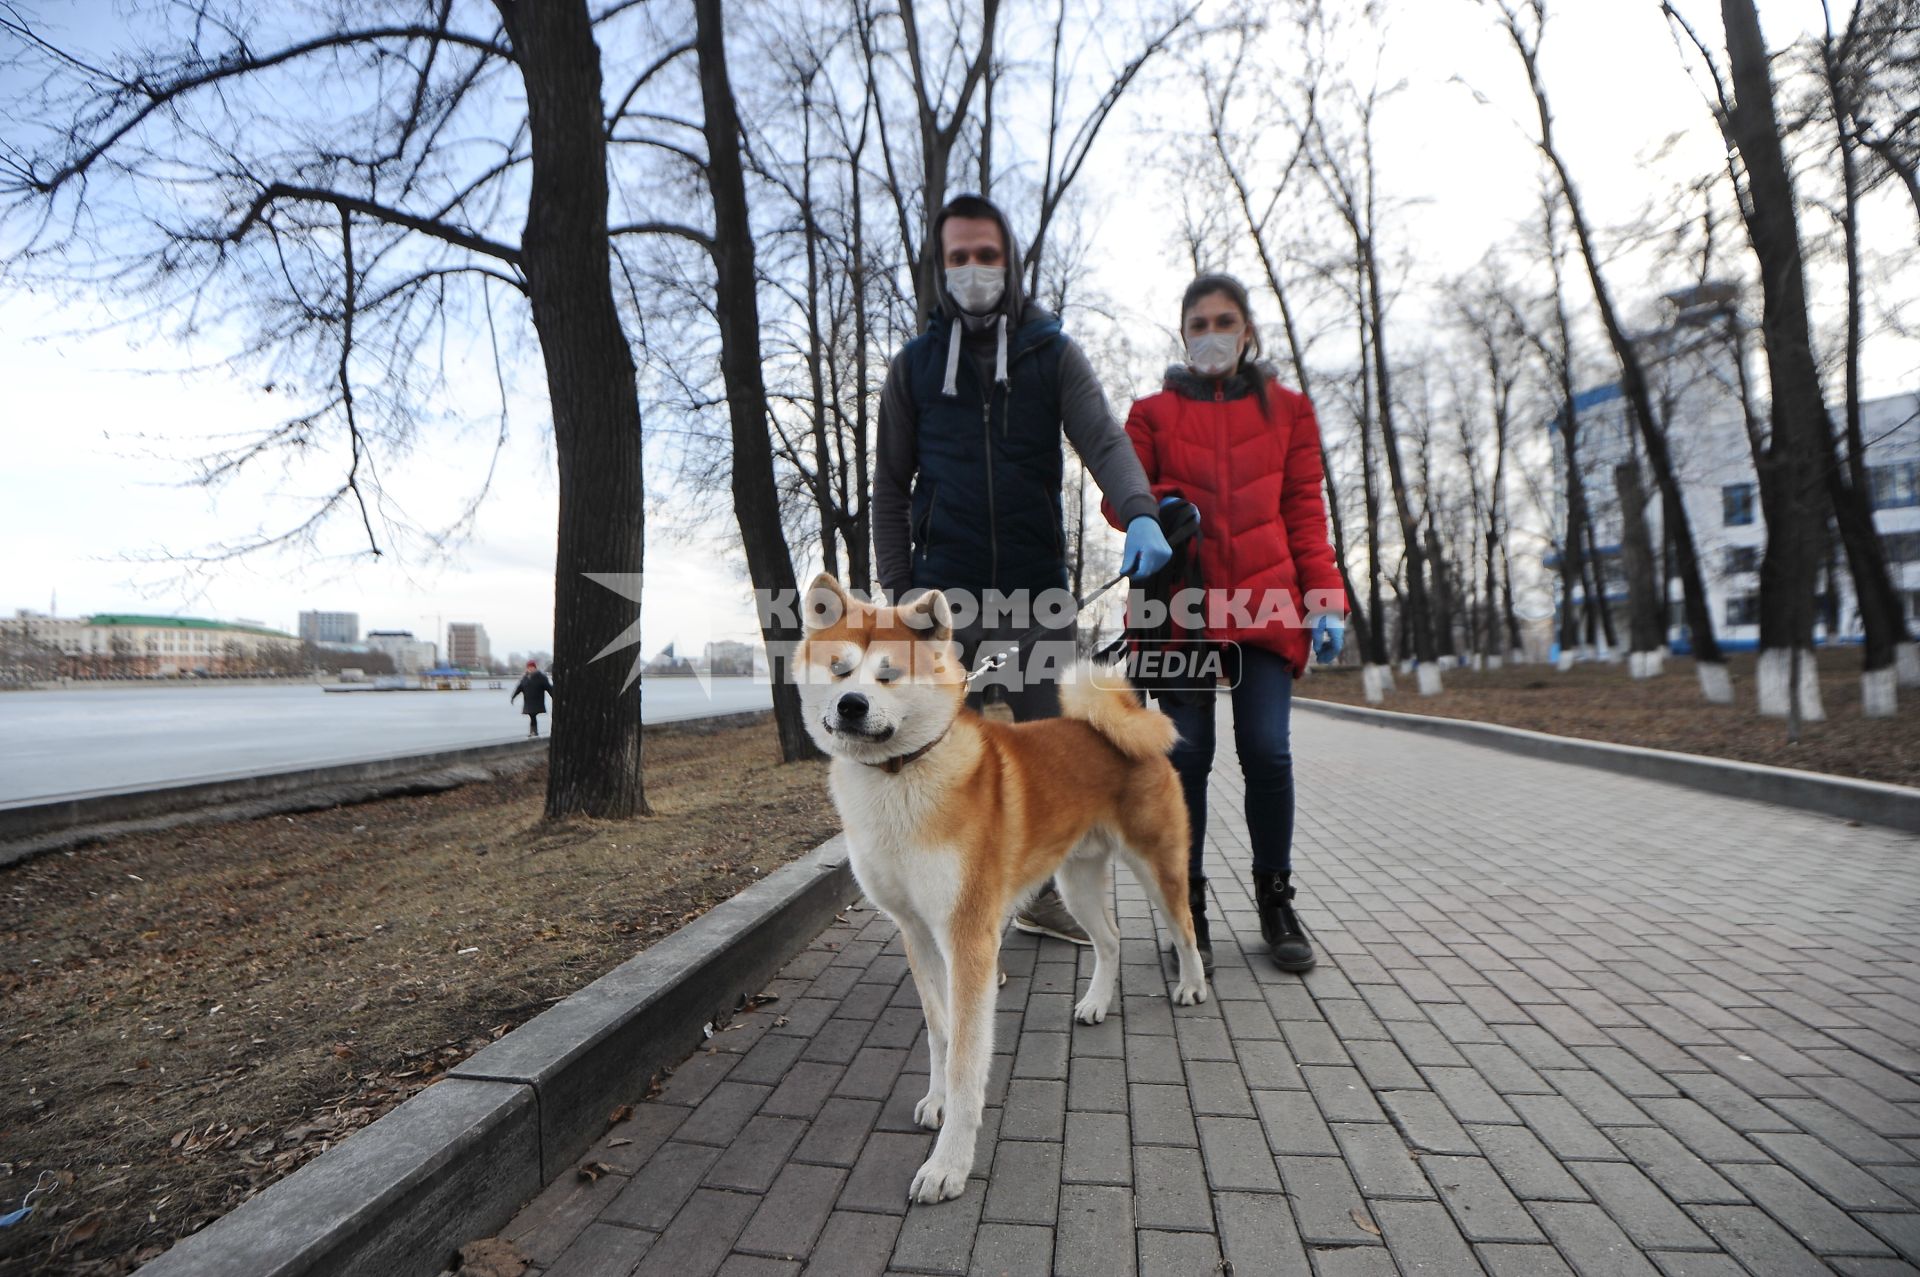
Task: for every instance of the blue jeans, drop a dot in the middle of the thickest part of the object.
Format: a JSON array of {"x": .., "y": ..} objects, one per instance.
[{"x": 1262, "y": 734}]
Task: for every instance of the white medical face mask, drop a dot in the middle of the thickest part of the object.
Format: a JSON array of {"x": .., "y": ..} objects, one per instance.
[
  {"x": 1213, "y": 354},
  {"x": 977, "y": 289}
]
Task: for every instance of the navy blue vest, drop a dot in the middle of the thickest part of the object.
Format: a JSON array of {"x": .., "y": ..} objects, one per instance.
[{"x": 986, "y": 499}]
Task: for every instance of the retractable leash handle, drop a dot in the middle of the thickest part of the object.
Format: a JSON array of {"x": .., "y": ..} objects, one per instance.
[{"x": 1185, "y": 520}]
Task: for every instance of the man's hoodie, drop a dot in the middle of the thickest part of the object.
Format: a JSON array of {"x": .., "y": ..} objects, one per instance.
[{"x": 1086, "y": 419}]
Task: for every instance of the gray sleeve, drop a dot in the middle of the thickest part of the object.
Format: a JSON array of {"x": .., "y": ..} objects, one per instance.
[
  {"x": 895, "y": 463},
  {"x": 1099, "y": 439}
]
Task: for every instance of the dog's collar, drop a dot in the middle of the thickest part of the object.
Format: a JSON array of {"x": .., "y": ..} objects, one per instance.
[{"x": 893, "y": 765}]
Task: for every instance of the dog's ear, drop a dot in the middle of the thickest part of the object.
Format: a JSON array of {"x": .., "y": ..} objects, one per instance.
[
  {"x": 826, "y": 603},
  {"x": 930, "y": 612}
]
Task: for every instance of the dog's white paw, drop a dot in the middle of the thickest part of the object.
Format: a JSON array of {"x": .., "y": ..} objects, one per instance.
[
  {"x": 937, "y": 1181},
  {"x": 1091, "y": 1010},
  {"x": 930, "y": 1110},
  {"x": 1188, "y": 995}
]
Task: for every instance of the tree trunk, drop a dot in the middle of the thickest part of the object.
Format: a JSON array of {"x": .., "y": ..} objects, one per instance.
[
  {"x": 1573, "y": 555},
  {"x": 1597, "y": 568},
  {"x": 1378, "y": 678},
  {"x": 825, "y": 505},
  {"x": 1636, "y": 551},
  {"x": 1420, "y": 621},
  {"x": 594, "y": 766},
  {"x": 1849, "y": 491},
  {"x": 756, "y": 500},
  {"x": 860, "y": 527},
  {"x": 1798, "y": 448}
]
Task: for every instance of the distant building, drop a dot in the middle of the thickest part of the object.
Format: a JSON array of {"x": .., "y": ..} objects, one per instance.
[
  {"x": 330, "y": 627},
  {"x": 1694, "y": 364},
  {"x": 467, "y": 646},
  {"x": 409, "y": 654},
  {"x": 730, "y": 659},
  {"x": 117, "y": 645}
]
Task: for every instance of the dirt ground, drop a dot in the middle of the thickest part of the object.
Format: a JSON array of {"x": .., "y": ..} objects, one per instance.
[
  {"x": 188, "y": 1016},
  {"x": 1599, "y": 702}
]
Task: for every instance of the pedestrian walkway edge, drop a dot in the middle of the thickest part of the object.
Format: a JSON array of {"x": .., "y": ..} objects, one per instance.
[
  {"x": 455, "y": 1162},
  {"x": 1870, "y": 802}
]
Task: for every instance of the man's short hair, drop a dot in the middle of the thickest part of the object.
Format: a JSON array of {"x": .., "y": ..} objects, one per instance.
[{"x": 971, "y": 206}]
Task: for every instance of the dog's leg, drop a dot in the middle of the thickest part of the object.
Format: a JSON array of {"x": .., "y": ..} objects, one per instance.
[
  {"x": 971, "y": 964},
  {"x": 1162, "y": 870},
  {"x": 1083, "y": 886},
  {"x": 930, "y": 980}
]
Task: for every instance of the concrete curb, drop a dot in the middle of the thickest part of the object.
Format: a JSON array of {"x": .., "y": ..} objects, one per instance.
[
  {"x": 456, "y": 1161},
  {"x": 1868, "y": 801}
]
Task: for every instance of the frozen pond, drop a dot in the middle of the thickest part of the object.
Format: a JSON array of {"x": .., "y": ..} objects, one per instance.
[{"x": 66, "y": 742}]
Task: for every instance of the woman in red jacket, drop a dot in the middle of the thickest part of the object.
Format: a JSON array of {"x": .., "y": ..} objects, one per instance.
[{"x": 1245, "y": 451}]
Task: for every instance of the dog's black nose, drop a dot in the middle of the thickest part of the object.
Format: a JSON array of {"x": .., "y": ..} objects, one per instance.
[{"x": 853, "y": 705}]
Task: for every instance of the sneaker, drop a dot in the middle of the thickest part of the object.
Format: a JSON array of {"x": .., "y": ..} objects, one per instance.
[{"x": 1046, "y": 915}]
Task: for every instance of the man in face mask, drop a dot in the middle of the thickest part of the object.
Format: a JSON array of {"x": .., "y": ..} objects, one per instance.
[{"x": 967, "y": 490}]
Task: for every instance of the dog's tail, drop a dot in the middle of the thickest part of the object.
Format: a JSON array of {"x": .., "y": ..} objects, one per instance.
[{"x": 1104, "y": 700}]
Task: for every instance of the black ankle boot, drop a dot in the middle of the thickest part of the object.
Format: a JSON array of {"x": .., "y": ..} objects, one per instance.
[
  {"x": 1279, "y": 926},
  {"x": 1197, "y": 905}
]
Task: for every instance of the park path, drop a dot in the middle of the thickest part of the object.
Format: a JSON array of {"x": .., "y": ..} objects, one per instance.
[{"x": 1563, "y": 1022}]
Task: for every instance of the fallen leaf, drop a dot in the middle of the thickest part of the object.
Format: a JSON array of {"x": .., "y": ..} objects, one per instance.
[
  {"x": 620, "y": 1115},
  {"x": 1360, "y": 1218},
  {"x": 592, "y": 1171},
  {"x": 491, "y": 1257},
  {"x": 621, "y": 1143}
]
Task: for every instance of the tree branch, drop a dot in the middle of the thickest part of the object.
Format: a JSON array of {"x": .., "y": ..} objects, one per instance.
[{"x": 454, "y": 235}]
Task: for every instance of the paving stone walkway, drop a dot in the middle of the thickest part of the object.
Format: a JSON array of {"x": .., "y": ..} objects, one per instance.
[{"x": 1564, "y": 1022}]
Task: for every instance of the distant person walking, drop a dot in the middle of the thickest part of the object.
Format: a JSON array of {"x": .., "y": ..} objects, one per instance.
[{"x": 535, "y": 686}]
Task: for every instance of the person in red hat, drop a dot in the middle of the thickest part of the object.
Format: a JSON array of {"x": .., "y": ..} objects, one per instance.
[{"x": 535, "y": 686}]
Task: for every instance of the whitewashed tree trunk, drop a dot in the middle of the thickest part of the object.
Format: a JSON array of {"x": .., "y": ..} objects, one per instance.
[
  {"x": 1715, "y": 684},
  {"x": 1493, "y": 662},
  {"x": 1564, "y": 661},
  {"x": 1429, "y": 675},
  {"x": 1775, "y": 675},
  {"x": 1376, "y": 681},
  {"x": 1906, "y": 659},
  {"x": 1646, "y": 664},
  {"x": 1879, "y": 693}
]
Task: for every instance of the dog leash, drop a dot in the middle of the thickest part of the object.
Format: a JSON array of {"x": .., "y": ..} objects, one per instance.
[{"x": 995, "y": 660}]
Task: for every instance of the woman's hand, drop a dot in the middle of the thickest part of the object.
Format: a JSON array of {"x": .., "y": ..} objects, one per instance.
[
  {"x": 1146, "y": 551},
  {"x": 1329, "y": 636}
]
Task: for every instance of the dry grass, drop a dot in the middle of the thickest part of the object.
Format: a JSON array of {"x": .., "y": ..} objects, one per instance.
[
  {"x": 190, "y": 1015},
  {"x": 1599, "y": 702}
]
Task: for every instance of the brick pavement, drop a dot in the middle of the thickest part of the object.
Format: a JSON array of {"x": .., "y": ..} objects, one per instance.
[{"x": 1564, "y": 1022}]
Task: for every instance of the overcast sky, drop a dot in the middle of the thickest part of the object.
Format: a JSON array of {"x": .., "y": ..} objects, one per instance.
[{"x": 98, "y": 428}]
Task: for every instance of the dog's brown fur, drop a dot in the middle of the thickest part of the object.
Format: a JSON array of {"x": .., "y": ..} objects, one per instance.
[{"x": 951, "y": 842}]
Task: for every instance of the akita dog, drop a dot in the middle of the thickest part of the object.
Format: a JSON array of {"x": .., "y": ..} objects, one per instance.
[{"x": 952, "y": 821}]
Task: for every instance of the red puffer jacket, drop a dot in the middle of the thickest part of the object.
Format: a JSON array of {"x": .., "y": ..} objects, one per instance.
[{"x": 1257, "y": 482}]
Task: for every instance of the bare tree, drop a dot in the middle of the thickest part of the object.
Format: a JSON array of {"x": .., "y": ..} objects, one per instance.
[
  {"x": 1345, "y": 165},
  {"x": 344, "y": 245},
  {"x": 1238, "y": 148},
  {"x": 1487, "y": 311},
  {"x": 938, "y": 127},
  {"x": 1710, "y": 665}
]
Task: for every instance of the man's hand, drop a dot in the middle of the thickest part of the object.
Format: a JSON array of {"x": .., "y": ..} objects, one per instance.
[
  {"x": 1146, "y": 551},
  {"x": 1329, "y": 636}
]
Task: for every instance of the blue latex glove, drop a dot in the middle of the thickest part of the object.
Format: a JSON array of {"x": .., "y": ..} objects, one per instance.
[
  {"x": 1146, "y": 551},
  {"x": 1329, "y": 636}
]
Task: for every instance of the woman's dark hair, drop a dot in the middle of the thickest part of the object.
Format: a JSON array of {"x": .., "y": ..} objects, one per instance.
[{"x": 1236, "y": 292}]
